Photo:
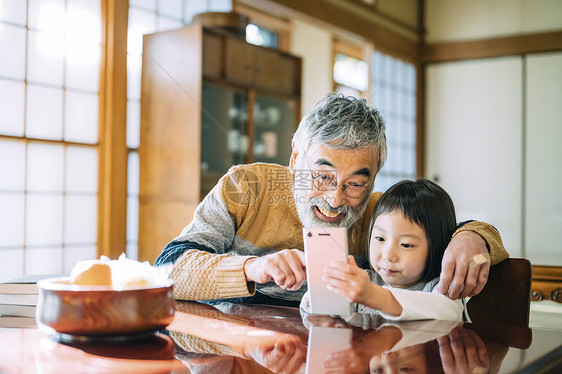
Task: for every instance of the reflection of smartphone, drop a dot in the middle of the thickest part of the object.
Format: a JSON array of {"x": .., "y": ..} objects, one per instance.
[
  {"x": 322, "y": 246},
  {"x": 323, "y": 341}
]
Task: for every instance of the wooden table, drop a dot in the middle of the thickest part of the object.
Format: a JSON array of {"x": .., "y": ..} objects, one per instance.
[{"x": 227, "y": 338}]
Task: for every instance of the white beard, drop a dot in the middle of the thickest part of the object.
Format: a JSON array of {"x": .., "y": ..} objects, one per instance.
[{"x": 305, "y": 210}]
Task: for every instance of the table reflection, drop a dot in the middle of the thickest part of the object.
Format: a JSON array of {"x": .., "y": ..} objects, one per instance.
[
  {"x": 227, "y": 337},
  {"x": 34, "y": 351},
  {"x": 379, "y": 346},
  {"x": 237, "y": 338},
  {"x": 155, "y": 346}
]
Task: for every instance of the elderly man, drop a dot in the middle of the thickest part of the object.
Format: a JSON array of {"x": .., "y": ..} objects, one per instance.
[{"x": 245, "y": 241}]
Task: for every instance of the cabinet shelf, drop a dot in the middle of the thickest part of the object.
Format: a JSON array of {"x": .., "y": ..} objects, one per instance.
[{"x": 209, "y": 100}]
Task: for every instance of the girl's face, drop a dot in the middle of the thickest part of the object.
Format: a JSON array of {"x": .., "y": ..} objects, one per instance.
[
  {"x": 398, "y": 249},
  {"x": 408, "y": 359}
]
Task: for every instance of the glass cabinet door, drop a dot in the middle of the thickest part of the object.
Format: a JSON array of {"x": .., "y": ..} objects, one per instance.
[
  {"x": 274, "y": 125},
  {"x": 224, "y": 133}
]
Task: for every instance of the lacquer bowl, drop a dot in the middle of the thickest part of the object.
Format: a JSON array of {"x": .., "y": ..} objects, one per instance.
[{"x": 98, "y": 311}]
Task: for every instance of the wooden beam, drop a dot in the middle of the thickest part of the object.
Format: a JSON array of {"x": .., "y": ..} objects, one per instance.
[
  {"x": 494, "y": 47},
  {"x": 347, "y": 49},
  {"x": 371, "y": 26},
  {"x": 374, "y": 8},
  {"x": 420, "y": 97},
  {"x": 264, "y": 19},
  {"x": 112, "y": 180}
]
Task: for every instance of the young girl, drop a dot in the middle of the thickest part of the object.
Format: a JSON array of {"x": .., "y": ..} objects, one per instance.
[{"x": 411, "y": 226}]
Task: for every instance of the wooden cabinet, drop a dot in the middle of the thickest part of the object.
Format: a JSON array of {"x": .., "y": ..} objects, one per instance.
[
  {"x": 547, "y": 283},
  {"x": 212, "y": 55},
  {"x": 209, "y": 100},
  {"x": 261, "y": 68}
]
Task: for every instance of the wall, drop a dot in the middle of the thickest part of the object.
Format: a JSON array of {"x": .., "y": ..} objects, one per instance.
[
  {"x": 491, "y": 124},
  {"x": 404, "y": 11},
  {"x": 543, "y": 208},
  {"x": 473, "y": 140},
  {"x": 314, "y": 45},
  {"x": 454, "y": 20}
]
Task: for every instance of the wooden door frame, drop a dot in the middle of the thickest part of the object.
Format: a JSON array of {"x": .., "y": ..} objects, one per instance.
[{"x": 112, "y": 170}]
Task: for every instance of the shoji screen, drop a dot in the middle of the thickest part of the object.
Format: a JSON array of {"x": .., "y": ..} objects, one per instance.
[
  {"x": 474, "y": 142},
  {"x": 49, "y": 83},
  {"x": 393, "y": 90}
]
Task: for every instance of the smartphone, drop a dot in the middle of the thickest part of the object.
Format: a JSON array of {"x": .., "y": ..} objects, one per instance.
[
  {"x": 321, "y": 247},
  {"x": 323, "y": 341}
]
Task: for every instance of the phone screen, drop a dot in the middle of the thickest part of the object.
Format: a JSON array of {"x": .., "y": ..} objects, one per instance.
[
  {"x": 321, "y": 247},
  {"x": 323, "y": 341}
]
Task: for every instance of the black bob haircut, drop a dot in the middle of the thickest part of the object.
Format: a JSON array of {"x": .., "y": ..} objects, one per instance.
[{"x": 427, "y": 204}]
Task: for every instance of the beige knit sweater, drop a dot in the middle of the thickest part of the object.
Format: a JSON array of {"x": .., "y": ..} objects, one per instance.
[{"x": 251, "y": 212}]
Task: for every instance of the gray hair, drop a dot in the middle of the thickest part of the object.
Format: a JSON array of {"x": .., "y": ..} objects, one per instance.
[{"x": 342, "y": 122}]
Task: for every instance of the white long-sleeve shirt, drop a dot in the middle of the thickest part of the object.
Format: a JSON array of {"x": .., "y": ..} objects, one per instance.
[{"x": 420, "y": 301}]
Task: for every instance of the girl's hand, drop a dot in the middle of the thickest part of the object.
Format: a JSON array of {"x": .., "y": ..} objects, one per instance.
[
  {"x": 356, "y": 358},
  {"x": 348, "y": 280}
]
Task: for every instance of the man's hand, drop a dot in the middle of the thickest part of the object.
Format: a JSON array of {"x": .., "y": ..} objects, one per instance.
[
  {"x": 286, "y": 356},
  {"x": 463, "y": 274},
  {"x": 286, "y": 268},
  {"x": 462, "y": 351}
]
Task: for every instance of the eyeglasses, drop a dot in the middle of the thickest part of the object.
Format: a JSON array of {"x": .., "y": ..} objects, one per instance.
[{"x": 324, "y": 182}]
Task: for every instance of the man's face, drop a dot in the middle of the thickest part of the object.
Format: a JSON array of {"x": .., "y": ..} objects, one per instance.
[{"x": 348, "y": 168}]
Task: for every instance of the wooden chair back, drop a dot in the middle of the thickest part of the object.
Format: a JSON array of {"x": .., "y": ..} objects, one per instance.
[{"x": 505, "y": 300}]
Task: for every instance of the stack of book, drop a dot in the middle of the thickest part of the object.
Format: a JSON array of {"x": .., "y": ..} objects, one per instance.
[{"x": 18, "y": 300}]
